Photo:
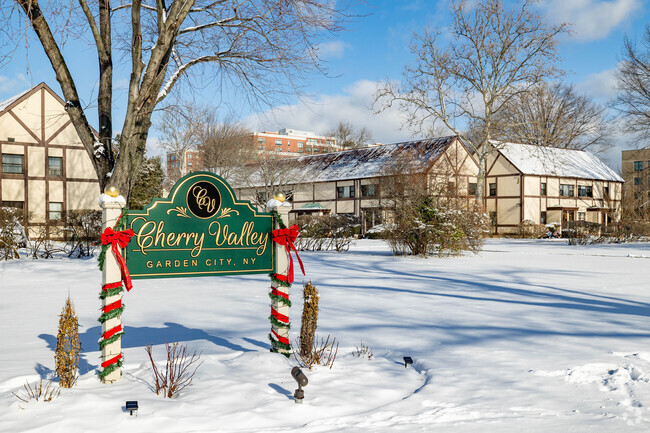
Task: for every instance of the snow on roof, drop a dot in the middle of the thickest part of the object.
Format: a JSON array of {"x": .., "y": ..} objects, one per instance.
[
  {"x": 8, "y": 102},
  {"x": 416, "y": 156},
  {"x": 551, "y": 161}
]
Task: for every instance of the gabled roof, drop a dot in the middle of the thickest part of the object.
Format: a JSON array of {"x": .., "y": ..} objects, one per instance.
[
  {"x": 550, "y": 161},
  {"x": 415, "y": 156},
  {"x": 14, "y": 100}
]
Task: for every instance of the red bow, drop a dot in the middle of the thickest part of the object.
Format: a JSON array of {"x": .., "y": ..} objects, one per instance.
[
  {"x": 286, "y": 237},
  {"x": 121, "y": 240}
]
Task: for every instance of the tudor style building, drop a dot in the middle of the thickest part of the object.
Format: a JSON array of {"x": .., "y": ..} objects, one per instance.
[
  {"x": 349, "y": 182},
  {"x": 46, "y": 170},
  {"x": 548, "y": 185}
]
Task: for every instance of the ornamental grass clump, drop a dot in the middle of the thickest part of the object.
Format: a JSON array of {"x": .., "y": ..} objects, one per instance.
[{"x": 68, "y": 348}]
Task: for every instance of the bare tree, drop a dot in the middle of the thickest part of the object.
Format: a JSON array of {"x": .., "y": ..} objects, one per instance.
[
  {"x": 225, "y": 145},
  {"x": 180, "y": 131},
  {"x": 269, "y": 175},
  {"x": 489, "y": 54},
  {"x": 554, "y": 115},
  {"x": 259, "y": 46},
  {"x": 347, "y": 137},
  {"x": 633, "y": 99}
]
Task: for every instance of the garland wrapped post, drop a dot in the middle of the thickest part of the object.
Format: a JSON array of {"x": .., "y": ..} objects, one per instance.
[
  {"x": 281, "y": 279},
  {"x": 114, "y": 275}
]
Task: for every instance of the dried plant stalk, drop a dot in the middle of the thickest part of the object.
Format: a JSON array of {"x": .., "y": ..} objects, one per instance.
[{"x": 179, "y": 370}]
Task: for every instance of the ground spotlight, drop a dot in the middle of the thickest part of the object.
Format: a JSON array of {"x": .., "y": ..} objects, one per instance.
[{"x": 299, "y": 377}]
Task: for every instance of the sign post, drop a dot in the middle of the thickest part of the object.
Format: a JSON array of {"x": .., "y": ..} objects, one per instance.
[
  {"x": 111, "y": 273},
  {"x": 279, "y": 302}
]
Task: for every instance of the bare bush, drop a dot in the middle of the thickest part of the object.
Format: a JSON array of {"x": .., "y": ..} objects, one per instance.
[
  {"x": 179, "y": 370},
  {"x": 11, "y": 232},
  {"x": 84, "y": 230},
  {"x": 528, "y": 229},
  {"x": 327, "y": 233},
  {"x": 322, "y": 352},
  {"x": 363, "y": 351},
  {"x": 39, "y": 391}
]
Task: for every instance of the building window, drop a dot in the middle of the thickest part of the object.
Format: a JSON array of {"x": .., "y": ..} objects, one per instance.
[
  {"x": 471, "y": 189},
  {"x": 12, "y": 140},
  {"x": 585, "y": 191},
  {"x": 582, "y": 216},
  {"x": 606, "y": 191},
  {"x": 55, "y": 166},
  {"x": 172, "y": 157},
  {"x": 493, "y": 189},
  {"x": 638, "y": 165},
  {"x": 542, "y": 217},
  {"x": 12, "y": 163},
  {"x": 636, "y": 179},
  {"x": 345, "y": 191},
  {"x": 368, "y": 190},
  {"x": 14, "y": 204},
  {"x": 542, "y": 189},
  {"x": 261, "y": 148},
  {"x": 493, "y": 218},
  {"x": 301, "y": 144},
  {"x": 261, "y": 140},
  {"x": 278, "y": 142},
  {"x": 56, "y": 211},
  {"x": 567, "y": 190},
  {"x": 312, "y": 141}
]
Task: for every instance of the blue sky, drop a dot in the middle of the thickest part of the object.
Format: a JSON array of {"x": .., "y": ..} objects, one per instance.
[{"x": 374, "y": 48}]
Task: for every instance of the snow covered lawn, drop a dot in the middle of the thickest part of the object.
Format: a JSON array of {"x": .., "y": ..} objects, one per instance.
[{"x": 529, "y": 335}]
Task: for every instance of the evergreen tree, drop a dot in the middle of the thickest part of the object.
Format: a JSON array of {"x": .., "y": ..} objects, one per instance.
[{"x": 147, "y": 184}]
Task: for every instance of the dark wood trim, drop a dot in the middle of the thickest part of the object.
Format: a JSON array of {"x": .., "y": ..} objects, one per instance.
[
  {"x": 58, "y": 131},
  {"x": 43, "y": 117},
  {"x": 22, "y": 124}
]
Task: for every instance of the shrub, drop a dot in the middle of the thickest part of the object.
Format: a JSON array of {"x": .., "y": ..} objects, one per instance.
[
  {"x": 363, "y": 351},
  {"x": 312, "y": 351},
  {"x": 179, "y": 370},
  {"x": 67, "y": 352},
  {"x": 424, "y": 225},
  {"x": 528, "y": 229},
  {"x": 12, "y": 234},
  {"x": 84, "y": 231},
  {"x": 309, "y": 320},
  {"x": 327, "y": 232}
]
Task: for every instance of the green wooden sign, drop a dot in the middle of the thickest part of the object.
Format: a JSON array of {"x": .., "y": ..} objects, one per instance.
[{"x": 201, "y": 229}]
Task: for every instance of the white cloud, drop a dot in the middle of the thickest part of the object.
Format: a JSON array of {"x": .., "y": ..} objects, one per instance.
[
  {"x": 331, "y": 50},
  {"x": 323, "y": 112},
  {"x": 599, "y": 85},
  {"x": 13, "y": 85},
  {"x": 591, "y": 19}
]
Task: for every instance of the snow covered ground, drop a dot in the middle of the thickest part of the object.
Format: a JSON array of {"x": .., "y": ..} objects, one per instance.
[{"x": 527, "y": 336}]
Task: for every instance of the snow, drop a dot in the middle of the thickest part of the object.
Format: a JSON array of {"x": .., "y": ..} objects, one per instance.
[
  {"x": 549, "y": 161},
  {"x": 105, "y": 198},
  {"x": 528, "y": 335}
]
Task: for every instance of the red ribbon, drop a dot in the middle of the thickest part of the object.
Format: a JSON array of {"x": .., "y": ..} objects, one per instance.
[
  {"x": 111, "y": 361},
  {"x": 277, "y": 292},
  {"x": 281, "y": 339},
  {"x": 108, "y": 334},
  {"x": 121, "y": 240},
  {"x": 281, "y": 317},
  {"x": 286, "y": 237},
  {"x": 114, "y": 306}
]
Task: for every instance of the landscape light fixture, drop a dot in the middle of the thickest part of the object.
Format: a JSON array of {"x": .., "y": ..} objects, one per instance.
[
  {"x": 407, "y": 360},
  {"x": 132, "y": 406},
  {"x": 299, "y": 377}
]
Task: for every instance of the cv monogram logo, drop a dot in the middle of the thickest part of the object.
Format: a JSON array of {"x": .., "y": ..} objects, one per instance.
[{"x": 203, "y": 199}]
